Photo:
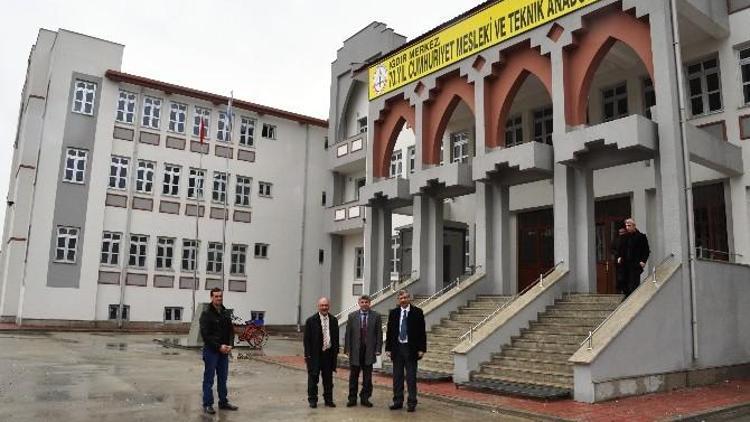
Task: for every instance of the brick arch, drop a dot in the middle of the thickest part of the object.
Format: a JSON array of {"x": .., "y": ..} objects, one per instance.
[
  {"x": 451, "y": 90},
  {"x": 396, "y": 114},
  {"x": 500, "y": 92},
  {"x": 582, "y": 61}
]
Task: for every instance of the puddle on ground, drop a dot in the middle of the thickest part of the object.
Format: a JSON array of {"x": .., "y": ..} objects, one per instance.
[{"x": 117, "y": 346}]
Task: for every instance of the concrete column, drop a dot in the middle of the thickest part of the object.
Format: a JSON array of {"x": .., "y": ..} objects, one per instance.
[
  {"x": 377, "y": 245},
  {"x": 563, "y": 205},
  {"x": 585, "y": 241},
  {"x": 740, "y": 234},
  {"x": 497, "y": 229},
  {"x": 639, "y": 212},
  {"x": 427, "y": 247},
  {"x": 481, "y": 246}
]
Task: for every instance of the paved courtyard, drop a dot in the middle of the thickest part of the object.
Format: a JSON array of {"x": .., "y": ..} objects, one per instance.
[{"x": 128, "y": 377}]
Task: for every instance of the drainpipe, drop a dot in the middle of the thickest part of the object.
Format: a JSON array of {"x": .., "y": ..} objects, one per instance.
[
  {"x": 304, "y": 221},
  {"x": 688, "y": 179}
]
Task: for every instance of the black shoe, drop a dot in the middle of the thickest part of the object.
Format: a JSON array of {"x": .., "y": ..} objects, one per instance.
[
  {"x": 396, "y": 406},
  {"x": 330, "y": 404},
  {"x": 351, "y": 403},
  {"x": 411, "y": 408},
  {"x": 209, "y": 410},
  {"x": 366, "y": 403},
  {"x": 313, "y": 405},
  {"x": 227, "y": 406}
]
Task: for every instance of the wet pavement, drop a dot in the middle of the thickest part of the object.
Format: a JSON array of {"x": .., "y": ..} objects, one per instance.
[{"x": 128, "y": 377}]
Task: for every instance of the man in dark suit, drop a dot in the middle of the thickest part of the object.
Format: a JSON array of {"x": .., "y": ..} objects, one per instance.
[
  {"x": 218, "y": 338},
  {"x": 405, "y": 344},
  {"x": 363, "y": 342},
  {"x": 632, "y": 256},
  {"x": 321, "y": 341}
]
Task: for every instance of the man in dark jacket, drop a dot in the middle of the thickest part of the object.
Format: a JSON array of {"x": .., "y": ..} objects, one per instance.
[
  {"x": 321, "y": 341},
  {"x": 632, "y": 256},
  {"x": 363, "y": 342},
  {"x": 218, "y": 339},
  {"x": 405, "y": 344}
]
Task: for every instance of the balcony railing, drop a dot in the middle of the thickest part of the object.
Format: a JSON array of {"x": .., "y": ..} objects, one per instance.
[{"x": 350, "y": 145}]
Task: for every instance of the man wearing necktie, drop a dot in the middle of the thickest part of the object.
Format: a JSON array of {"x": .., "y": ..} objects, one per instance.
[
  {"x": 363, "y": 342},
  {"x": 405, "y": 344},
  {"x": 321, "y": 342}
]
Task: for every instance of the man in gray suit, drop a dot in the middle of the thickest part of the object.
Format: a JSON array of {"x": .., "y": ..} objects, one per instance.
[{"x": 363, "y": 341}]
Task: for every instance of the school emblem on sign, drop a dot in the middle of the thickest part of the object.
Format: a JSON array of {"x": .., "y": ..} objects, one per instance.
[{"x": 380, "y": 79}]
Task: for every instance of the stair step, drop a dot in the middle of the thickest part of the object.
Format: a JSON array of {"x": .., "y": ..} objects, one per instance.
[
  {"x": 543, "y": 347},
  {"x": 530, "y": 375},
  {"x": 534, "y": 363},
  {"x": 517, "y": 389},
  {"x": 586, "y": 306},
  {"x": 566, "y": 322},
  {"x": 533, "y": 354},
  {"x": 556, "y": 329},
  {"x": 510, "y": 379},
  {"x": 551, "y": 338},
  {"x": 576, "y": 313}
]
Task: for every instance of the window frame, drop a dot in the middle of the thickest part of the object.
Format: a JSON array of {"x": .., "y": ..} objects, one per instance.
[
  {"x": 704, "y": 94},
  {"x": 247, "y": 131},
  {"x": 140, "y": 243},
  {"x": 396, "y": 166},
  {"x": 69, "y": 235},
  {"x": 116, "y": 308},
  {"x": 177, "y": 110},
  {"x": 215, "y": 258},
  {"x": 87, "y": 88},
  {"x": 130, "y": 99},
  {"x": 514, "y": 128},
  {"x": 411, "y": 153},
  {"x": 171, "y": 180},
  {"x": 238, "y": 260},
  {"x": 260, "y": 250},
  {"x": 224, "y": 127},
  {"x": 262, "y": 192},
  {"x": 609, "y": 95},
  {"x": 121, "y": 165},
  {"x": 189, "y": 255},
  {"x": 170, "y": 311},
  {"x": 243, "y": 186},
  {"x": 543, "y": 116},
  {"x": 269, "y": 131},
  {"x": 196, "y": 183},
  {"x": 165, "y": 247},
  {"x": 75, "y": 171},
  {"x": 359, "y": 263},
  {"x": 110, "y": 242},
  {"x": 154, "y": 112},
  {"x": 143, "y": 184},
  {"x": 220, "y": 181},
  {"x": 199, "y": 112},
  {"x": 745, "y": 84}
]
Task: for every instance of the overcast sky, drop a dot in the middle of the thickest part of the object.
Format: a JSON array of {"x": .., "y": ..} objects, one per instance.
[{"x": 277, "y": 53}]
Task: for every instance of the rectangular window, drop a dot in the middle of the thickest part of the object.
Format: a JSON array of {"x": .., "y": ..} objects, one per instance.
[
  {"x": 219, "y": 193},
  {"x": 362, "y": 125},
  {"x": 359, "y": 263},
  {"x": 114, "y": 311},
  {"x": 321, "y": 256},
  {"x": 543, "y": 125},
  {"x": 649, "y": 96},
  {"x": 67, "y": 242},
  {"x": 261, "y": 250},
  {"x": 144, "y": 176},
  {"x": 264, "y": 189},
  {"x": 513, "y": 131},
  {"x": 269, "y": 131},
  {"x": 242, "y": 191},
  {"x": 615, "y": 102},
  {"x": 83, "y": 97},
  {"x": 224, "y": 127},
  {"x": 323, "y": 199},
  {"x": 205, "y": 114},
  {"x": 172, "y": 314},
  {"x": 75, "y": 165},
  {"x": 396, "y": 164},
  {"x": 189, "y": 253},
  {"x": 138, "y": 247},
  {"x": 247, "y": 132},
  {"x": 412, "y": 152},
  {"x": 151, "y": 112},
  {"x": 704, "y": 86},
  {"x": 395, "y": 259},
  {"x": 239, "y": 257},
  {"x": 164, "y": 253},
  {"x": 177, "y": 117},
  {"x": 215, "y": 262},
  {"x": 171, "y": 185},
  {"x": 111, "y": 248},
  {"x": 195, "y": 183},
  {"x": 118, "y": 173},
  {"x": 745, "y": 73},
  {"x": 459, "y": 147},
  {"x": 126, "y": 107},
  {"x": 358, "y": 184}
]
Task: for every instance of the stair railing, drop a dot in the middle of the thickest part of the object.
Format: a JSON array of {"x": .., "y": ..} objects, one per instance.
[
  {"x": 390, "y": 287},
  {"x": 456, "y": 283},
  {"x": 701, "y": 253},
  {"x": 589, "y": 339},
  {"x": 470, "y": 332}
]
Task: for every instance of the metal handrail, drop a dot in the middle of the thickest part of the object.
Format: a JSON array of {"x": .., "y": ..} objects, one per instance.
[
  {"x": 590, "y": 337},
  {"x": 455, "y": 283},
  {"x": 391, "y": 286},
  {"x": 470, "y": 332},
  {"x": 701, "y": 249}
]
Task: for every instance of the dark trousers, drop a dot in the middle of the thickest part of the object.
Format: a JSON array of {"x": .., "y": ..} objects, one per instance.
[
  {"x": 321, "y": 369},
  {"x": 401, "y": 362},
  {"x": 366, "y": 378},
  {"x": 631, "y": 277},
  {"x": 215, "y": 364}
]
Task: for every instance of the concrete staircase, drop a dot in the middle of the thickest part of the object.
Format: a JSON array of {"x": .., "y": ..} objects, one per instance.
[
  {"x": 536, "y": 362},
  {"x": 437, "y": 364}
]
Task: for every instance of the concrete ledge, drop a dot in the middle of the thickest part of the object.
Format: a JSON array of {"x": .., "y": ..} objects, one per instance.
[
  {"x": 716, "y": 154},
  {"x": 523, "y": 163},
  {"x": 442, "y": 306},
  {"x": 394, "y": 191},
  {"x": 497, "y": 332},
  {"x": 656, "y": 383},
  {"x": 454, "y": 178},
  {"x": 81, "y": 325}
]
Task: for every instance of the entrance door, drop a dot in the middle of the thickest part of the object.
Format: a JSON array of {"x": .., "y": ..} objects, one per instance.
[
  {"x": 710, "y": 222},
  {"x": 610, "y": 216},
  {"x": 446, "y": 265},
  {"x": 535, "y": 245}
]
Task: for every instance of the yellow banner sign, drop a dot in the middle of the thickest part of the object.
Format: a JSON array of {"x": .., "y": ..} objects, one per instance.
[{"x": 486, "y": 28}]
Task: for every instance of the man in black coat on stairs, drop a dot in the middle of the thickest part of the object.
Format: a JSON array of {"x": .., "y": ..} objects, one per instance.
[
  {"x": 321, "y": 341},
  {"x": 632, "y": 256},
  {"x": 405, "y": 344}
]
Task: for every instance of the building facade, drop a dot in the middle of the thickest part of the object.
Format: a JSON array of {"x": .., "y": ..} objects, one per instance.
[{"x": 118, "y": 208}]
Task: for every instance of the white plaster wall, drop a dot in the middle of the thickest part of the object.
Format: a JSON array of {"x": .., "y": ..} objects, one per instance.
[
  {"x": 357, "y": 108},
  {"x": 347, "y": 268}
]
